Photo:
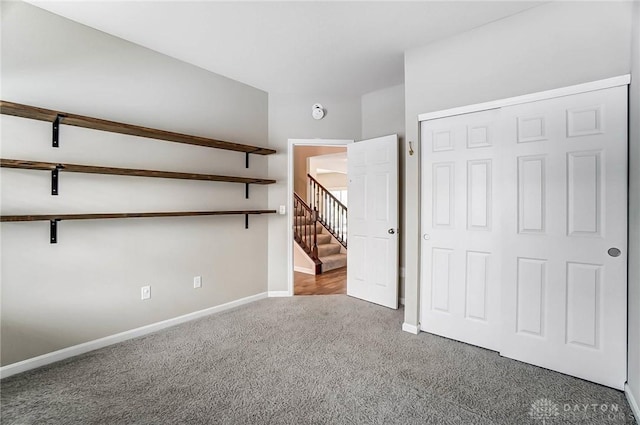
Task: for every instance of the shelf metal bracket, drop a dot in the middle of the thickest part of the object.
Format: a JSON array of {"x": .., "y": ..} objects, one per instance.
[
  {"x": 56, "y": 131},
  {"x": 54, "y": 179},
  {"x": 246, "y": 221},
  {"x": 246, "y": 160},
  {"x": 246, "y": 190},
  {"x": 53, "y": 231}
]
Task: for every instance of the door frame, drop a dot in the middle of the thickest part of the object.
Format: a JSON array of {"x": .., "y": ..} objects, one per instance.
[{"x": 291, "y": 144}]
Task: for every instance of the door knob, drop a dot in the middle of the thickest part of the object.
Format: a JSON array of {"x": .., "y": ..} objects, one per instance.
[
  {"x": 426, "y": 236},
  {"x": 614, "y": 252},
  {"x": 391, "y": 231}
]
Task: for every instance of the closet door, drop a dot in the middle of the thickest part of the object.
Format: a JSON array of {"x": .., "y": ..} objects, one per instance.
[
  {"x": 461, "y": 207},
  {"x": 564, "y": 236}
]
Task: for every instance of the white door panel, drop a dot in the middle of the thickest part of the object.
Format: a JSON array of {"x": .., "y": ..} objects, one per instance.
[
  {"x": 461, "y": 261},
  {"x": 372, "y": 261},
  {"x": 564, "y": 297},
  {"x": 520, "y": 207}
]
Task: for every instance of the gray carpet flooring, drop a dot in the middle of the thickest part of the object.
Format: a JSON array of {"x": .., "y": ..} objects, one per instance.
[{"x": 302, "y": 360}]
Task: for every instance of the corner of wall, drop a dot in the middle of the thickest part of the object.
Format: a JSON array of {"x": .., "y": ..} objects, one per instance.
[{"x": 633, "y": 377}]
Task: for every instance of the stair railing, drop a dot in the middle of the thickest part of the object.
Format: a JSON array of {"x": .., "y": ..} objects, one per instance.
[
  {"x": 330, "y": 211},
  {"x": 305, "y": 230}
]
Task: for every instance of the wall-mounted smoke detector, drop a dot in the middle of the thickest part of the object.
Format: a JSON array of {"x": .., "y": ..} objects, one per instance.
[{"x": 317, "y": 112}]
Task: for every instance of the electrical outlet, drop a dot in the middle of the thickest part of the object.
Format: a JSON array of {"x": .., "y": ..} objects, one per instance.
[
  {"x": 197, "y": 282},
  {"x": 145, "y": 292},
  {"x": 283, "y": 209}
]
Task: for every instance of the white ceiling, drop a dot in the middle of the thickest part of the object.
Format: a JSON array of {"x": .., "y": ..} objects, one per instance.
[{"x": 313, "y": 47}]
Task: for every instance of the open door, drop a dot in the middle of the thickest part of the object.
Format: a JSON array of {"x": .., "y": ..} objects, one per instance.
[{"x": 372, "y": 262}]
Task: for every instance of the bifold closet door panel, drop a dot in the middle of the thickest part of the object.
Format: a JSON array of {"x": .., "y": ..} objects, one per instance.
[
  {"x": 461, "y": 208},
  {"x": 564, "y": 234}
]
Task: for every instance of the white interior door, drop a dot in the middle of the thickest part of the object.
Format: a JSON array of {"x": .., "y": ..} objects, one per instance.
[
  {"x": 460, "y": 269},
  {"x": 372, "y": 259},
  {"x": 565, "y": 220}
]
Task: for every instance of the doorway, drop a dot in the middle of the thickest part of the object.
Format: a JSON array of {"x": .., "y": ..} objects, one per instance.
[{"x": 317, "y": 216}]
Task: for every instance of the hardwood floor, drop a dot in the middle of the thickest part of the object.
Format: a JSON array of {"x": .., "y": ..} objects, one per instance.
[{"x": 331, "y": 282}]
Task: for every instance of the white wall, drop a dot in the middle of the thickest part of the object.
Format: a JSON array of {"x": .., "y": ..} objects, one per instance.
[
  {"x": 88, "y": 285},
  {"x": 333, "y": 181},
  {"x": 302, "y": 166},
  {"x": 383, "y": 113},
  {"x": 301, "y": 261},
  {"x": 634, "y": 212},
  {"x": 290, "y": 118},
  {"x": 553, "y": 45},
  {"x": 336, "y": 162}
]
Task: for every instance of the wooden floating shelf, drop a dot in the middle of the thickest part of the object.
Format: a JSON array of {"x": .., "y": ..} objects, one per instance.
[
  {"x": 90, "y": 169},
  {"x": 53, "y": 219},
  {"x": 57, "y": 117},
  {"x": 60, "y": 217},
  {"x": 25, "y": 111}
]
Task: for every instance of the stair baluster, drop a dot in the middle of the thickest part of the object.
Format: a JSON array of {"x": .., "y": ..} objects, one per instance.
[{"x": 331, "y": 213}]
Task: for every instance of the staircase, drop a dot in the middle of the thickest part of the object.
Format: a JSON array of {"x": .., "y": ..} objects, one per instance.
[
  {"x": 317, "y": 241},
  {"x": 329, "y": 210}
]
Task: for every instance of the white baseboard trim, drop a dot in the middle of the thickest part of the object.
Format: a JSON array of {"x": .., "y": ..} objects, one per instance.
[
  {"x": 633, "y": 402},
  {"x": 304, "y": 270},
  {"x": 273, "y": 294},
  {"x": 85, "y": 347},
  {"x": 412, "y": 329}
]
